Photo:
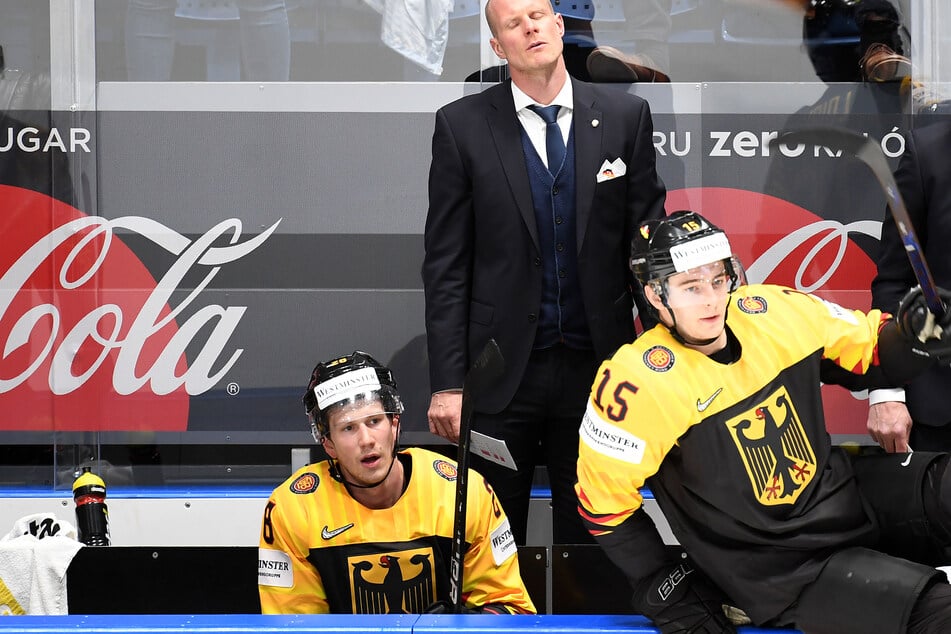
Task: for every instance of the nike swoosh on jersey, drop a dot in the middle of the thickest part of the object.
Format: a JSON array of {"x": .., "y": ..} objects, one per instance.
[
  {"x": 326, "y": 533},
  {"x": 702, "y": 405}
]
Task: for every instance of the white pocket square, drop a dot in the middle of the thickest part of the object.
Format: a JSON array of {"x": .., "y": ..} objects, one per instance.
[{"x": 609, "y": 170}]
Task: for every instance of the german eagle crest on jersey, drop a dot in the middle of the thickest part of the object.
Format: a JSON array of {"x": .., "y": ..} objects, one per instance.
[
  {"x": 775, "y": 449},
  {"x": 395, "y": 583}
]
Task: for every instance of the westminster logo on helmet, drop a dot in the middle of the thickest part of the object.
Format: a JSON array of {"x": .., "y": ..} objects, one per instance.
[
  {"x": 775, "y": 449},
  {"x": 395, "y": 583}
]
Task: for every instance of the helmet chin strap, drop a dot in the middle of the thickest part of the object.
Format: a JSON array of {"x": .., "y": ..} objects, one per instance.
[{"x": 690, "y": 342}]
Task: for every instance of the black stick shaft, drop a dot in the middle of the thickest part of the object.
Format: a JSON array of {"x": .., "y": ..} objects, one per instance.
[{"x": 487, "y": 367}]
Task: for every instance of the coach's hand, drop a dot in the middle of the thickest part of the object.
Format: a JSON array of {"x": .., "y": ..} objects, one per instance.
[
  {"x": 680, "y": 599},
  {"x": 445, "y": 411},
  {"x": 928, "y": 334},
  {"x": 889, "y": 424}
]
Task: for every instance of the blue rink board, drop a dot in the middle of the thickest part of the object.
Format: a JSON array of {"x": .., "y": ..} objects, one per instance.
[
  {"x": 328, "y": 623},
  {"x": 198, "y": 491}
]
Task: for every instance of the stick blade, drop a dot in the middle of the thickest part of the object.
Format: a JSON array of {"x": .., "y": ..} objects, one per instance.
[
  {"x": 486, "y": 368},
  {"x": 870, "y": 152},
  {"x": 833, "y": 138},
  {"x": 838, "y": 139}
]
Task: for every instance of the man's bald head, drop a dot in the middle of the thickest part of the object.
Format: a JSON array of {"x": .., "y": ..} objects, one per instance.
[{"x": 490, "y": 17}]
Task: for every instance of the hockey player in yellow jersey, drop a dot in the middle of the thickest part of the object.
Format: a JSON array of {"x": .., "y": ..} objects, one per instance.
[
  {"x": 718, "y": 410},
  {"x": 369, "y": 530}
]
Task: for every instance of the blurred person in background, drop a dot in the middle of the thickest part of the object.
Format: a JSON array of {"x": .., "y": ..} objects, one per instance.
[
  {"x": 264, "y": 37},
  {"x": 917, "y": 416}
]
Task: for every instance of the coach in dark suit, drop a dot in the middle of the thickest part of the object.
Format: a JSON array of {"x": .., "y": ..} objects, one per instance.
[
  {"x": 527, "y": 240},
  {"x": 923, "y": 177}
]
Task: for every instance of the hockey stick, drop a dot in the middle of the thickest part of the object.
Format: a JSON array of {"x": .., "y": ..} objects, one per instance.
[
  {"x": 487, "y": 367},
  {"x": 870, "y": 153}
]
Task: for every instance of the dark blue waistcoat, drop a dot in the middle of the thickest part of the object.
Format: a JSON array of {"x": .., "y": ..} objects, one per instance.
[{"x": 561, "y": 318}]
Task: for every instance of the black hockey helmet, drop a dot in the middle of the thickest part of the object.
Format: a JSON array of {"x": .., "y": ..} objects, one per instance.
[
  {"x": 681, "y": 241},
  {"x": 345, "y": 381},
  {"x": 832, "y": 39}
]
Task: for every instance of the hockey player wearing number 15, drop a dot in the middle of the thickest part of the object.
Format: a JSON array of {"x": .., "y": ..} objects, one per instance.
[
  {"x": 718, "y": 409},
  {"x": 370, "y": 530}
]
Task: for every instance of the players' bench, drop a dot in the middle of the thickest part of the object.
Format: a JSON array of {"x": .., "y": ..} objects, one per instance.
[
  {"x": 176, "y": 580},
  {"x": 200, "y": 579}
]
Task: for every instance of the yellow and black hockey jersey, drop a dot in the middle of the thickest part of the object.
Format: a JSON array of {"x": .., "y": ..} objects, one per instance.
[
  {"x": 737, "y": 455},
  {"x": 322, "y": 551}
]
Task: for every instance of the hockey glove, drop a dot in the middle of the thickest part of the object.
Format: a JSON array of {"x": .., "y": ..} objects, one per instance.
[
  {"x": 929, "y": 335},
  {"x": 681, "y": 600}
]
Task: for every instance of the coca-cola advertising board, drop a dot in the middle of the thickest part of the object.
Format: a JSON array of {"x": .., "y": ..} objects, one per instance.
[{"x": 178, "y": 272}]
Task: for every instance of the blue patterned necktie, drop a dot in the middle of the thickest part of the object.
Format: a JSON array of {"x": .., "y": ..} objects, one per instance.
[{"x": 554, "y": 142}]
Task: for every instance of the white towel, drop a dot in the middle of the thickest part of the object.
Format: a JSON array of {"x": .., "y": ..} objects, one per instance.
[
  {"x": 416, "y": 29},
  {"x": 34, "y": 557}
]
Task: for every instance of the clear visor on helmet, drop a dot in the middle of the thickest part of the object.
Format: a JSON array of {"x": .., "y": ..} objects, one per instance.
[
  {"x": 359, "y": 406},
  {"x": 699, "y": 285},
  {"x": 350, "y": 397}
]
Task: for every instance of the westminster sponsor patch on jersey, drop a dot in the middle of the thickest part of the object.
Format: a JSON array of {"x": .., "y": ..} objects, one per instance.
[
  {"x": 274, "y": 568},
  {"x": 610, "y": 440},
  {"x": 775, "y": 449},
  {"x": 397, "y": 582},
  {"x": 503, "y": 543}
]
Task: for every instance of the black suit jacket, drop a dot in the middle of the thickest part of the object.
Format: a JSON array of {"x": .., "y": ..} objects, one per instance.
[
  {"x": 923, "y": 177},
  {"x": 482, "y": 271}
]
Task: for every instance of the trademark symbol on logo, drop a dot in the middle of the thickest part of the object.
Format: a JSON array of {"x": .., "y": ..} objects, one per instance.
[{"x": 233, "y": 389}]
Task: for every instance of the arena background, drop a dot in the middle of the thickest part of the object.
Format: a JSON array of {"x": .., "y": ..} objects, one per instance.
[{"x": 178, "y": 254}]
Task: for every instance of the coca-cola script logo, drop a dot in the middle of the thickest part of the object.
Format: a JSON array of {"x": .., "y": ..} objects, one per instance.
[
  {"x": 91, "y": 340},
  {"x": 781, "y": 243}
]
